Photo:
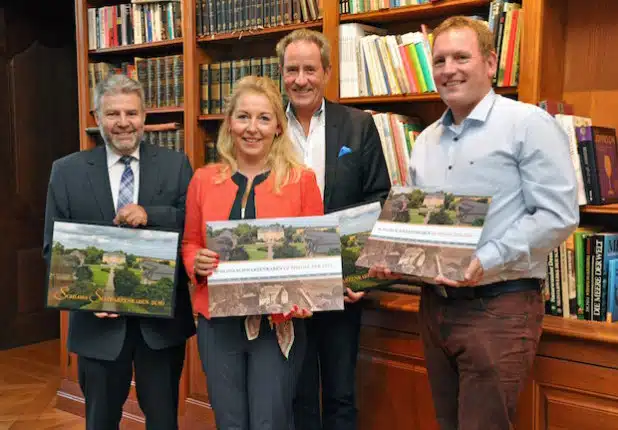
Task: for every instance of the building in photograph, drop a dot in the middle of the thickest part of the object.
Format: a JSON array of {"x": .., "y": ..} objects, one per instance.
[
  {"x": 272, "y": 233},
  {"x": 114, "y": 258}
]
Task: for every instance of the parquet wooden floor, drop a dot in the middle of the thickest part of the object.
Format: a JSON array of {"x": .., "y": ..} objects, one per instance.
[{"x": 29, "y": 378}]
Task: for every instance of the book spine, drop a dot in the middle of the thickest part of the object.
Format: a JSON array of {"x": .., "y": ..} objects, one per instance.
[
  {"x": 204, "y": 87},
  {"x": 597, "y": 279},
  {"x": 588, "y": 277}
]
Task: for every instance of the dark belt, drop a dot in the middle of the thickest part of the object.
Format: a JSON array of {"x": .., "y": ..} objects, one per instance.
[{"x": 489, "y": 290}]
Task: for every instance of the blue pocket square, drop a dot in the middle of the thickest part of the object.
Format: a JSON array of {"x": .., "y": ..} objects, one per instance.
[{"x": 343, "y": 151}]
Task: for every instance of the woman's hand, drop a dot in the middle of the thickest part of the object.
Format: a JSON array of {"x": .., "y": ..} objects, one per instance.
[
  {"x": 206, "y": 261},
  {"x": 296, "y": 312}
]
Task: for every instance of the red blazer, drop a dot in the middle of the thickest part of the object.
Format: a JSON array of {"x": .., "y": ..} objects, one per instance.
[{"x": 209, "y": 201}]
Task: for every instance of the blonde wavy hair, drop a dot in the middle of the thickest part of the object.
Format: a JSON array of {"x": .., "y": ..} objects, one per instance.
[{"x": 282, "y": 160}]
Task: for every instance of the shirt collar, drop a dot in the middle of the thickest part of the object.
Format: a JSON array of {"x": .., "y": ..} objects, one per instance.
[
  {"x": 113, "y": 157},
  {"x": 292, "y": 115},
  {"x": 479, "y": 113}
]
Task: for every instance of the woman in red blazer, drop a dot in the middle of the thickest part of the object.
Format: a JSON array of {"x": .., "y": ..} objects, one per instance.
[{"x": 252, "y": 363}]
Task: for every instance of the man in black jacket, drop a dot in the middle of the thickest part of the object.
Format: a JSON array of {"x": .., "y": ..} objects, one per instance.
[
  {"x": 130, "y": 183},
  {"x": 342, "y": 145}
]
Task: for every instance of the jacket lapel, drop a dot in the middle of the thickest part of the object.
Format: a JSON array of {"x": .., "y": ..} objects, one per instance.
[
  {"x": 333, "y": 145},
  {"x": 148, "y": 174},
  {"x": 99, "y": 182}
]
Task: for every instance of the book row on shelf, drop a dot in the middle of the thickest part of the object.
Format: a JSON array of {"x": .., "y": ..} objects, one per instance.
[
  {"x": 360, "y": 6},
  {"x": 397, "y": 135},
  {"x": 582, "y": 276},
  {"x": 594, "y": 153},
  {"x": 161, "y": 77},
  {"x": 374, "y": 63},
  {"x": 217, "y": 80},
  {"x": 129, "y": 24},
  {"x": 169, "y": 135},
  {"x": 217, "y": 16},
  {"x": 582, "y": 273}
]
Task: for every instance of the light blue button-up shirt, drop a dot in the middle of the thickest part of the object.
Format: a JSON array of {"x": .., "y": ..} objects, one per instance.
[{"x": 517, "y": 154}]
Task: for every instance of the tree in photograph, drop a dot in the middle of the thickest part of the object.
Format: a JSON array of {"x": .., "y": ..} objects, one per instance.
[
  {"x": 244, "y": 232},
  {"x": 288, "y": 233},
  {"x": 239, "y": 254},
  {"x": 416, "y": 199},
  {"x": 449, "y": 198},
  {"x": 125, "y": 282},
  {"x": 131, "y": 260},
  {"x": 162, "y": 290},
  {"x": 58, "y": 248},
  {"x": 84, "y": 273},
  {"x": 478, "y": 222},
  {"x": 440, "y": 217},
  {"x": 287, "y": 251},
  {"x": 348, "y": 258},
  {"x": 93, "y": 255}
]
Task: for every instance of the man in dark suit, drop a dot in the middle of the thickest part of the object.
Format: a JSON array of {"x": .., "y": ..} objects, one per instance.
[
  {"x": 342, "y": 145},
  {"x": 129, "y": 183}
]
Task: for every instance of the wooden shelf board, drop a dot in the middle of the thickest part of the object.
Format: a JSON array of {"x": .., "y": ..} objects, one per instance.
[
  {"x": 604, "y": 209},
  {"x": 553, "y": 325},
  {"x": 211, "y": 117},
  {"x": 160, "y": 110},
  {"x": 411, "y": 13},
  {"x": 137, "y": 48},
  {"x": 424, "y": 97},
  {"x": 578, "y": 329},
  {"x": 258, "y": 33}
]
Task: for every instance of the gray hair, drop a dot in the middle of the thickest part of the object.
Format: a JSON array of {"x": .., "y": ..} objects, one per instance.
[
  {"x": 117, "y": 84},
  {"x": 305, "y": 35}
]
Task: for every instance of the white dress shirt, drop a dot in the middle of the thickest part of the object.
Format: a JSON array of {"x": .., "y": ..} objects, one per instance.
[
  {"x": 115, "y": 168},
  {"x": 312, "y": 147}
]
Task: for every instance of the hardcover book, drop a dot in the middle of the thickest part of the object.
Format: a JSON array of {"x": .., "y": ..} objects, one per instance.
[
  {"x": 269, "y": 265},
  {"x": 424, "y": 235},
  {"x": 100, "y": 268},
  {"x": 600, "y": 144},
  {"x": 355, "y": 225}
]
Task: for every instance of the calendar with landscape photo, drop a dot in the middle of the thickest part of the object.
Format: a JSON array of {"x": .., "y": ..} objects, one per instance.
[
  {"x": 355, "y": 225},
  {"x": 112, "y": 269},
  {"x": 426, "y": 234},
  {"x": 269, "y": 265}
]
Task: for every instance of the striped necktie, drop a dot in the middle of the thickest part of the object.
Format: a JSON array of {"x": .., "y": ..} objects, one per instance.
[{"x": 125, "y": 193}]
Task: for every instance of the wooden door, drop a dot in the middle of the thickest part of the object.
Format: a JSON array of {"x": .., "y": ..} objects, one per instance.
[{"x": 38, "y": 123}]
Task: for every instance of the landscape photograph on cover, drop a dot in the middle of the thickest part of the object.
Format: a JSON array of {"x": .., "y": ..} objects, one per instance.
[
  {"x": 112, "y": 269},
  {"x": 355, "y": 225},
  {"x": 268, "y": 266},
  {"x": 419, "y": 233}
]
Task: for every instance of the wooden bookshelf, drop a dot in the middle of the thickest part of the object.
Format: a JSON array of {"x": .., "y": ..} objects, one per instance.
[
  {"x": 567, "y": 53},
  {"x": 158, "y": 110},
  {"x": 212, "y": 117},
  {"x": 604, "y": 209},
  {"x": 417, "y": 12},
  {"x": 403, "y": 98},
  {"x": 567, "y": 327},
  {"x": 164, "y": 45},
  {"x": 162, "y": 110},
  {"x": 262, "y": 33}
]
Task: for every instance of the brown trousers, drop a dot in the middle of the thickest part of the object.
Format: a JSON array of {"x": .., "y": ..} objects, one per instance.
[{"x": 478, "y": 354}]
